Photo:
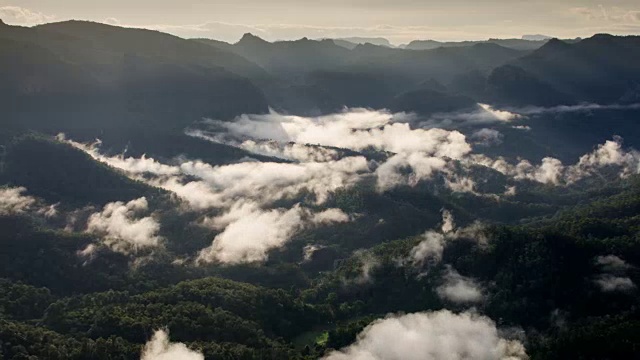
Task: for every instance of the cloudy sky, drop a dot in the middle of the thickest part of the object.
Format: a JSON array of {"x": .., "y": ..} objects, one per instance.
[{"x": 400, "y": 21}]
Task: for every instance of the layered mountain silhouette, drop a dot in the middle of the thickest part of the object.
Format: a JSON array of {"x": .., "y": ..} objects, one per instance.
[
  {"x": 600, "y": 69},
  {"x": 77, "y": 75},
  {"x": 517, "y": 44}
]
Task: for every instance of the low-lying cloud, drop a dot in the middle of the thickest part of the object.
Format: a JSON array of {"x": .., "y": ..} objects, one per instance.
[
  {"x": 355, "y": 129},
  {"x": 459, "y": 289},
  {"x": 291, "y": 151},
  {"x": 122, "y": 228},
  {"x": 613, "y": 277},
  {"x": 552, "y": 171},
  {"x": 223, "y": 186},
  {"x": 611, "y": 283},
  {"x": 433, "y": 242},
  {"x": 249, "y": 232},
  {"x": 160, "y": 348},
  {"x": 483, "y": 114},
  {"x": 612, "y": 263},
  {"x": 535, "y": 110},
  {"x": 13, "y": 201},
  {"x": 487, "y": 137},
  {"x": 440, "y": 335},
  {"x": 486, "y": 114},
  {"x": 318, "y": 167}
]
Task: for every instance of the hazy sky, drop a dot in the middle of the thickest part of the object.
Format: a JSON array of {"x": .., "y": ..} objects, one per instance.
[{"x": 398, "y": 20}]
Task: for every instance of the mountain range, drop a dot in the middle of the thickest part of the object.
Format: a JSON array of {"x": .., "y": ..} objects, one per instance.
[
  {"x": 170, "y": 198},
  {"x": 90, "y": 60}
]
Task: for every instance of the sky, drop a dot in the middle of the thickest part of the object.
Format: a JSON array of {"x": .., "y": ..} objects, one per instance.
[{"x": 400, "y": 21}]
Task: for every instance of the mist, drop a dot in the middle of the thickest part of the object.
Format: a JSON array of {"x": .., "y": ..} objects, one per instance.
[{"x": 436, "y": 335}]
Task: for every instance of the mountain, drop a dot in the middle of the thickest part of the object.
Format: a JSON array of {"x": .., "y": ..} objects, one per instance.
[
  {"x": 599, "y": 69},
  {"x": 512, "y": 85},
  {"x": 316, "y": 199},
  {"x": 320, "y": 76},
  {"x": 57, "y": 172},
  {"x": 536, "y": 37},
  {"x": 345, "y": 44},
  {"x": 288, "y": 58},
  {"x": 76, "y": 75},
  {"x": 151, "y": 44},
  {"x": 379, "y": 41},
  {"x": 428, "y": 101},
  {"x": 441, "y": 64},
  {"x": 517, "y": 44}
]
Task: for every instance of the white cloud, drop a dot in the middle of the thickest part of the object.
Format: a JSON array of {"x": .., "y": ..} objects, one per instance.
[
  {"x": 159, "y": 348},
  {"x": 612, "y": 278},
  {"x": 549, "y": 172},
  {"x": 17, "y": 15},
  {"x": 612, "y": 283},
  {"x": 522, "y": 127},
  {"x": 297, "y": 152},
  {"x": 133, "y": 166},
  {"x": 309, "y": 250},
  {"x": 423, "y": 151},
  {"x": 440, "y": 335},
  {"x": 392, "y": 173},
  {"x": 355, "y": 129},
  {"x": 244, "y": 192},
  {"x": 286, "y": 151},
  {"x": 330, "y": 216},
  {"x": 123, "y": 229},
  {"x": 484, "y": 114},
  {"x": 112, "y": 21},
  {"x": 552, "y": 171},
  {"x": 249, "y": 232},
  {"x": 487, "y": 137},
  {"x": 12, "y": 201},
  {"x": 428, "y": 250},
  {"x": 612, "y": 263},
  {"x": 458, "y": 183},
  {"x": 502, "y": 115},
  {"x": 255, "y": 187},
  {"x": 459, "y": 289},
  {"x": 368, "y": 262},
  {"x": 448, "y": 223},
  {"x": 268, "y": 182},
  {"x": 535, "y": 110},
  {"x": 222, "y": 186},
  {"x": 607, "y": 154}
]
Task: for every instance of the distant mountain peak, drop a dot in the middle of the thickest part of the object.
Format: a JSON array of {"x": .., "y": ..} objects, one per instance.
[
  {"x": 487, "y": 45},
  {"x": 380, "y": 41},
  {"x": 555, "y": 42},
  {"x": 536, "y": 37},
  {"x": 2, "y": 22},
  {"x": 249, "y": 38},
  {"x": 553, "y": 45},
  {"x": 603, "y": 36}
]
